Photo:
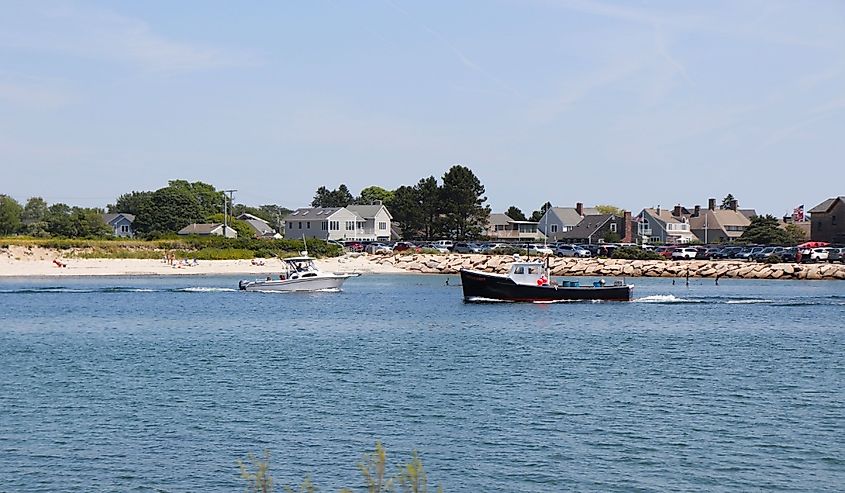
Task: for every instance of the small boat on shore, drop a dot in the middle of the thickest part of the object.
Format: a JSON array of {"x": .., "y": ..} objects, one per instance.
[
  {"x": 530, "y": 281},
  {"x": 298, "y": 274}
]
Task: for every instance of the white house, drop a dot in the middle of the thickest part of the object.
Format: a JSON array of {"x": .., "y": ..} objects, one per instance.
[{"x": 354, "y": 222}]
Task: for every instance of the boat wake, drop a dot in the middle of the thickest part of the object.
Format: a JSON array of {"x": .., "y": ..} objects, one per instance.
[{"x": 664, "y": 298}]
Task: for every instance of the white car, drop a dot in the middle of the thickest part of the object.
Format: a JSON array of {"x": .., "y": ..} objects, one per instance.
[
  {"x": 818, "y": 254},
  {"x": 686, "y": 253},
  {"x": 378, "y": 249},
  {"x": 538, "y": 249}
]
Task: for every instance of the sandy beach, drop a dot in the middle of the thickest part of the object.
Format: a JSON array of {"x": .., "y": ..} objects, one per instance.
[{"x": 18, "y": 261}]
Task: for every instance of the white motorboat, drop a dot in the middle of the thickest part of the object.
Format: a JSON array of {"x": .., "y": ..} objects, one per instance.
[{"x": 298, "y": 274}]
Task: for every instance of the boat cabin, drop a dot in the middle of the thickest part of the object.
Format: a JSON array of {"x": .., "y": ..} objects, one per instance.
[
  {"x": 529, "y": 273},
  {"x": 299, "y": 267}
]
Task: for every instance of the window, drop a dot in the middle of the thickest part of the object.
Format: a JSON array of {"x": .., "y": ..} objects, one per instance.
[
  {"x": 833, "y": 220},
  {"x": 382, "y": 225},
  {"x": 350, "y": 225},
  {"x": 500, "y": 227},
  {"x": 324, "y": 225},
  {"x": 612, "y": 227},
  {"x": 300, "y": 224},
  {"x": 553, "y": 228},
  {"x": 307, "y": 224},
  {"x": 334, "y": 225},
  {"x": 125, "y": 228}
]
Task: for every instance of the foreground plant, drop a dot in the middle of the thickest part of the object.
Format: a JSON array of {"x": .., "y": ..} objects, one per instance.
[{"x": 410, "y": 477}]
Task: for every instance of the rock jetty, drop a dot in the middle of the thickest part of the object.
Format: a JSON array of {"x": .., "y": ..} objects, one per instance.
[{"x": 451, "y": 264}]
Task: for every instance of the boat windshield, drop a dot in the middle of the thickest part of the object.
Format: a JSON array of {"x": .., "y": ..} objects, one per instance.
[
  {"x": 302, "y": 265},
  {"x": 527, "y": 273}
]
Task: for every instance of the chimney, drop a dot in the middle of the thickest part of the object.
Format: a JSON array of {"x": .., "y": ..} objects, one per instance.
[
  {"x": 711, "y": 204},
  {"x": 677, "y": 211},
  {"x": 697, "y": 211},
  {"x": 733, "y": 205},
  {"x": 627, "y": 227},
  {"x": 579, "y": 208},
  {"x": 658, "y": 209}
]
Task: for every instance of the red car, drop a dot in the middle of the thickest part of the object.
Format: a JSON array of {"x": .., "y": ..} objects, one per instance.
[
  {"x": 665, "y": 251},
  {"x": 353, "y": 246},
  {"x": 401, "y": 246}
]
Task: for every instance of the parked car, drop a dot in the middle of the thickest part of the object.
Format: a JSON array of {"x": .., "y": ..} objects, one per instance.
[
  {"x": 665, "y": 251},
  {"x": 448, "y": 244},
  {"x": 709, "y": 253},
  {"x": 353, "y": 246},
  {"x": 491, "y": 248},
  {"x": 789, "y": 254},
  {"x": 401, "y": 246},
  {"x": 564, "y": 250},
  {"x": 378, "y": 249},
  {"x": 767, "y": 252},
  {"x": 728, "y": 252},
  {"x": 836, "y": 254},
  {"x": 818, "y": 254},
  {"x": 466, "y": 248},
  {"x": 748, "y": 252},
  {"x": 539, "y": 249},
  {"x": 685, "y": 253},
  {"x": 436, "y": 246}
]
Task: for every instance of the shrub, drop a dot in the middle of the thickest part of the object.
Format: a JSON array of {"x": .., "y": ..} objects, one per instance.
[{"x": 772, "y": 259}]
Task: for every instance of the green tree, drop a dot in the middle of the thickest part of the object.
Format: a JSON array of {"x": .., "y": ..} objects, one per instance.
[
  {"x": 169, "y": 210},
  {"x": 537, "y": 215},
  {"x": 765, "y": 230},
  {"x": 609, "y": 209},
  {"x": 209, "y": 199},
  {"x": 130, "y": 203},
  {"x": 339, "y": 197},
  {"x": 406, "y": 212},
  {"x": 372, "y": 194},
  {"x": 463, "y": 200},
  {"x": 430, "y": 199},
  {"x": 727, "y": 202},
  {"x": 515, "y": 213},
  {"x": 10, "y": 215},
  {"x": 795, "y": 234},
  {"x": 75, "y": 222}
]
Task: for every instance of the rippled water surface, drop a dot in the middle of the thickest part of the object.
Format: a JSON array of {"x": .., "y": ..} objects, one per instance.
[{"x": 161, "y": 384}]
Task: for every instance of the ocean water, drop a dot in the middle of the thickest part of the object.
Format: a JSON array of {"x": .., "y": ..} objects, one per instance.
[{"x": 162, "y": 384}]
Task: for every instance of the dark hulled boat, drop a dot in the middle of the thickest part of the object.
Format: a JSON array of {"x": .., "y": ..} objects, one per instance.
[{"x": 529, "y": 281}]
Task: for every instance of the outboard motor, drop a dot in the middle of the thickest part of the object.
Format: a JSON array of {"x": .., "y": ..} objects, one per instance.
[{"x": 242, "y": 285}]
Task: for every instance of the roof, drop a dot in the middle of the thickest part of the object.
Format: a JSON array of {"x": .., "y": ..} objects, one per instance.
[
  {"x": 826, "y": 205},
  {"x": 260, "y": 226},
  {"x": 108, "y": 218},
  {"x": 719, "y": 218},
  {"x": 312, "y": 213},
  {"x": 199, "y": 229},
  {"x": 664, "y": 215},
  {"x": 246, "y": 216},
  {"x": 588, "y": 226},
  {"x": 569, "y": 216},
  {"x": 499, "y": 218},
  {"x": 368, "y": 211}
]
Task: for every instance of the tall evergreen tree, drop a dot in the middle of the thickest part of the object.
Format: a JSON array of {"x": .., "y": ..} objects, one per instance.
[
  {"x": 430, "y": 199},
  {"x": 406, "y": 211},
  {"x": 463, "y": 203},
  {"x": 34, "y": 217},
  {"x": 537, "y": 215},
  {"x": 130, "y": 203},
  {"x": 765, "y": 230},
  {"x": 515, "y": 213},
  {"x": 727, "y": 201}
]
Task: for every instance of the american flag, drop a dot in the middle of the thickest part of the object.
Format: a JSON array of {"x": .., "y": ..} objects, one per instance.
[{"x": 798, "y": 213}]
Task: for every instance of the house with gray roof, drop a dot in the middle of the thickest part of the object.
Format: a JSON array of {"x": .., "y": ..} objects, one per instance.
[
  {"x": 121, "y": 224},
  {"x": 661, "y": 226},
  {"x": 558, "y": 220},
  {"x": 714, "y": 225},
  {"x": 208, "y": 229},
  {"x": 827, "y": 221},
  {"x": 595, "y": 228},
  {"x": 260, "y": 227},
  {"x": 354, "y": 222}
]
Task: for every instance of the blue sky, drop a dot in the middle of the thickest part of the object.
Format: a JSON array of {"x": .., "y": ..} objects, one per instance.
[{"x": 635, "y": 104}]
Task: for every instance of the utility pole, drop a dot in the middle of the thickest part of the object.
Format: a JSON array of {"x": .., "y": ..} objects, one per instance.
[{"x": 226, "y": 208}]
